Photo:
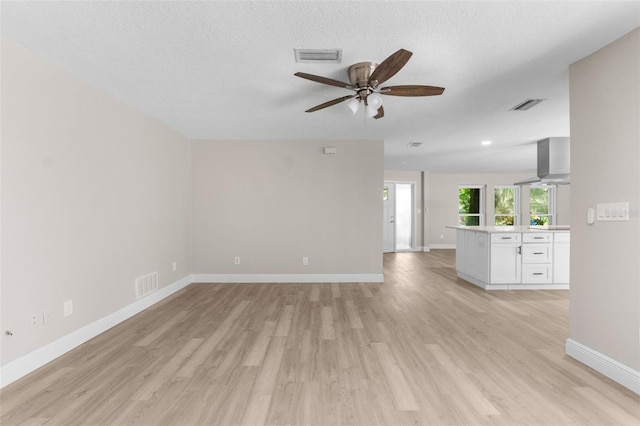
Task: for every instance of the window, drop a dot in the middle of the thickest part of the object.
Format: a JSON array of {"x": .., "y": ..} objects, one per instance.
[
  {"x": 471, "y": 205},
  {"x": 507, "y": 205},
  {"x": 542, "y": 205}
]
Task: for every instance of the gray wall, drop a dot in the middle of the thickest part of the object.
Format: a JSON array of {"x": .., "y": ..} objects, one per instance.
[
  {"x": 605, "y": 163},
  {"x": 94, "y": 195},
  {"x": 273, "y": 202}
]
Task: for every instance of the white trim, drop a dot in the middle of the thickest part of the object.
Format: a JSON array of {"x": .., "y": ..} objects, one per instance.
[
  {"x": 24, "y": 365},
  {"x": 447, "y": 246},
  {"x": 511, "y": 286},
  {"x": 411, "y": 250},
  {"x": 287, "y": 278},
  {"x": 609, "y": 367}
]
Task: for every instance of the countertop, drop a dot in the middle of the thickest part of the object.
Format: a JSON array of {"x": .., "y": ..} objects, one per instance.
[{"x": 497, "y": 229}]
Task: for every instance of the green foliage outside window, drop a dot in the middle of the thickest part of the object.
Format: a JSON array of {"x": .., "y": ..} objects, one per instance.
[
  {"x": 539, "y": 206},
  {"x": 469, "y": 204},
  {"x": 504, "y": 206}
]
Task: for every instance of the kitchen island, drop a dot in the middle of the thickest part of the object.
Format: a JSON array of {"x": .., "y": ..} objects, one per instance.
[{"x": 513, "y": 257}]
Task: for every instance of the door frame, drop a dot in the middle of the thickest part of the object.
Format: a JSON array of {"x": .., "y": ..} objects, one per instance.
[{"x": 392, "y": 193}]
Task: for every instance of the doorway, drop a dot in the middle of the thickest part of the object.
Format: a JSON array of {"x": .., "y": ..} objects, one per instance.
[{"x": 398, "y": 207}]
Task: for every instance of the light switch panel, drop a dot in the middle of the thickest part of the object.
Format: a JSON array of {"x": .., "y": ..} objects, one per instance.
[{"x": 612, "y": 212}]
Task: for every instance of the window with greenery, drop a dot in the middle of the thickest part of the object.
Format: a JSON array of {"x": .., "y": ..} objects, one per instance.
[
  {"x": 471, "y": 205},
  {"x": 506, "y": 205},
  {"x": 542, "y": 208}
]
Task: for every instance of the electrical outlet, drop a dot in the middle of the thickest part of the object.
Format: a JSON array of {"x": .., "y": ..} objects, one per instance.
[
  {"x": 34, "y": 320},
  {"x": 237, "y": 260},
  {"x": 305, "y": 261}
]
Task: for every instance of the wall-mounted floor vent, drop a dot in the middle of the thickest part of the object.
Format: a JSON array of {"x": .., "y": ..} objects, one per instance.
[{"x": 146, "y": 284}]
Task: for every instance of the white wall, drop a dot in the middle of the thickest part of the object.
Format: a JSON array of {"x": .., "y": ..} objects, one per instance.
[
  {"x": 94, "y": 194},
  {"x": 273, "y": 202},
  {"x": 442, "y": 202},
  {"x": 605, "y": 167}
]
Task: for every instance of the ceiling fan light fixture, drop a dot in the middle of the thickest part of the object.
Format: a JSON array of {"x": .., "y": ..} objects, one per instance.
[
  {"x": 370, "y": 111},
  {"x": 374, "y": 100},
  {"x": 353, "y": 105}
]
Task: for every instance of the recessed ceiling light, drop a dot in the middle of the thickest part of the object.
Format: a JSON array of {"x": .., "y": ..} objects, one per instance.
[
  {"x": 414, "y": 144},
  {"x": 485, "y": 143}
]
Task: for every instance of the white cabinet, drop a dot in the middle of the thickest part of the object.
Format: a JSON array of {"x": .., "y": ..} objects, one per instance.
[
  {"x": 561, "y": 256},
  {"x": 537, "y": 257},
  {"x": 472, "y": 254},
  {"x": 526, "y": 259},
  {"x": 505, "y": 259}
]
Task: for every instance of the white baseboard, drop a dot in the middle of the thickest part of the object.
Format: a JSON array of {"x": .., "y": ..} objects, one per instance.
[
  {"x": 287, "y": 278},
  {"x": 36, "y": 359},
  {"x": 609, "y": 367},
  {"x": 441, "y": 246}
]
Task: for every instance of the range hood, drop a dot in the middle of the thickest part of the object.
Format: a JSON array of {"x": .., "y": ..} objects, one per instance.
[{"x": 553, "y": 162}]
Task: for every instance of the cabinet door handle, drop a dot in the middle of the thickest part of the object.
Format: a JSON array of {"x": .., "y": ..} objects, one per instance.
[
  {"x": 538, "y": 273},
  {"x": 506, "y": 238},
  {"x": 538, "y": 238},
  {"x": 538, "y": 252},
  {"x": 519, "y": 249}
]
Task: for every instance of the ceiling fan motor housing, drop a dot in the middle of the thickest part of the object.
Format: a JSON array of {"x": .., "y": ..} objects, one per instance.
[{"x": 359, "y": 74}]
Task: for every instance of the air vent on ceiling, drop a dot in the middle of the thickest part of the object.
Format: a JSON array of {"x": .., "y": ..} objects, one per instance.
[
  {"x": 414, "y": 144},
  {"x": 529, "y": 103},
  {"x": 318, "y": 55}
]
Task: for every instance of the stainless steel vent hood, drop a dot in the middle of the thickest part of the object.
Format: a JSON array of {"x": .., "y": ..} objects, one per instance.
[{"x": 554, "y": 159}]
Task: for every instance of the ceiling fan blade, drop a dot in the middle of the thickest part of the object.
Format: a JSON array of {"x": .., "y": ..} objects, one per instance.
[
  {"x": 380, "y": 113},
  {"x": 324, "y": 80},
  {"x": 412, "y": 90},
  {"x": 389, "y": 67},
  {"x": 330, "y": 103}
]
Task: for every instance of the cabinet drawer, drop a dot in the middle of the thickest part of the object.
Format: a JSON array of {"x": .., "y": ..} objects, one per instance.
[
  {"x": 536, "y": 253},
  {"x": 536, "y": 274},
  {"x": 562, "y": 237},
  {"x": 537, "y": 237},
  {"x": 505, "y": 237}
]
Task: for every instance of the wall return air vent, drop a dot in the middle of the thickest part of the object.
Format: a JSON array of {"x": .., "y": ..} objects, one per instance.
[
  {"x": 318, "y": 55},
  {"x": 146, "y": 284}
]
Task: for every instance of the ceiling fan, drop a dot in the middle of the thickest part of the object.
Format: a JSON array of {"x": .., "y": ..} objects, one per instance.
[{"x": 365, "y": 79}]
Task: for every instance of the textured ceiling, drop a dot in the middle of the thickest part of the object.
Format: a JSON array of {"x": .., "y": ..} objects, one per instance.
[{"x": 224, "y": 70}]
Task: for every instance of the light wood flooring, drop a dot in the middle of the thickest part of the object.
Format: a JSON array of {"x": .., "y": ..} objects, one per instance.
[{"x": 421, "y": 348}]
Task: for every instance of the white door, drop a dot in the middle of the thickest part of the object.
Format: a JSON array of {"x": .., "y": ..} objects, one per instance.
[{"x": 389, "y": 213}]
